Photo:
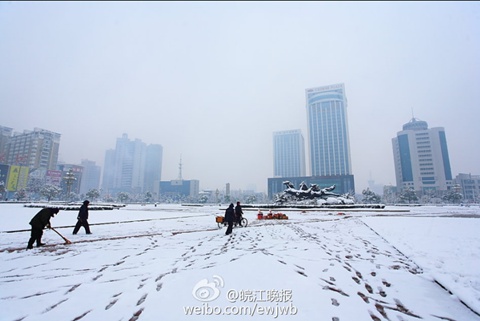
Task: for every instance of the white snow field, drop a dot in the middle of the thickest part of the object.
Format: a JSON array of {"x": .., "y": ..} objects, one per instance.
[{"x": 172, "y": 262}]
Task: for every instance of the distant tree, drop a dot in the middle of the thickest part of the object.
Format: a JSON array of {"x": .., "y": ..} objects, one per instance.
[
  {"x": 203, "y": 199},
  {"x": 251, "y": 199},
  {"x": 72, "y": 197},
  {"x": 50, "y": 191},
  {"x": 452, "y": 197},
  {"x": 93, "y": 194},
  {"x": 389, "y": 197},
  {"x": 369, "y": 197},
  {"x": 148, "y": 197},
  {"x": 408, "y": 196},
  {"x": 123, "y": 197},
  {"x": 21, "y": 194},
  {"x": 108, "y": 198},
  {"x": 34, "y": 185}
]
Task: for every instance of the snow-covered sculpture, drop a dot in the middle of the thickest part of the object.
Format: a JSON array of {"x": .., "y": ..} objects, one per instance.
[{"x": 311, "y": 194}]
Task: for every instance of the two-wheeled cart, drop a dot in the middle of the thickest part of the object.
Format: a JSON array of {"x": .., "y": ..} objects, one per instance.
[{"x": 243, "y": 222}]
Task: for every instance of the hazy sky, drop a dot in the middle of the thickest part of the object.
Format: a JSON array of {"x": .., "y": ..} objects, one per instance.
[{"x": 212, "y": 81}]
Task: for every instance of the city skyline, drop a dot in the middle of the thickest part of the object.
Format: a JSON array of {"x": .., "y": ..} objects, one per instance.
[
  {"x": 30, "y": 132},
  {"x": 421, "y": 163},
  {"x": 211, "y": 82}
]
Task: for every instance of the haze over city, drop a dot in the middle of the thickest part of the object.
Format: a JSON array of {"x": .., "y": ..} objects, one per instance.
[{"x": 212, "y": 81}]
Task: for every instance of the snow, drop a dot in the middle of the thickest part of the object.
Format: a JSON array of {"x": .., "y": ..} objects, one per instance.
[{"x": 172, "y": 262}]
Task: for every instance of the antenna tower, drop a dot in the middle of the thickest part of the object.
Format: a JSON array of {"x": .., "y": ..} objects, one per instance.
[{"x": 180, "y": 169}]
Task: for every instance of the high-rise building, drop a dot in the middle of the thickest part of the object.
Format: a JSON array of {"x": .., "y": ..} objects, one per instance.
[
  {"x": 108, "y": 171},
  {"x": 34, "y": 149},
  {"x": 90, "y": 176},
  {"x": 129, "y": 165},
  {"x": 138, "y": 165},
  {"x": 125, "y": 168},
  {"x": 288, "y": 153},
  {"x": 153, "y": 168},
  {"x": 421, "y": 158},
  {"x": 329, "y": 141},
  {"x": 5, "y": 134}
]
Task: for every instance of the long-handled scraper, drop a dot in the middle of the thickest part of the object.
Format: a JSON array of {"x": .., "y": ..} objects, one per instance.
[{"x": 67, "y": 241}]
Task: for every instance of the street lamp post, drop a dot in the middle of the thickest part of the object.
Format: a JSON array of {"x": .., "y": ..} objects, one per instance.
[{"x": 69, "y": 178}]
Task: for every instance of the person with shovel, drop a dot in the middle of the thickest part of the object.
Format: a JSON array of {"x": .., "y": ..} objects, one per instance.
[
  {"x": 38, "y": 223},
  {"x": 82, "y": 218}
]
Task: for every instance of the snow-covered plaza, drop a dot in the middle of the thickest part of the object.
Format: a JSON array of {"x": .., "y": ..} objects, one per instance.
[{"x": 172, "y": 262}]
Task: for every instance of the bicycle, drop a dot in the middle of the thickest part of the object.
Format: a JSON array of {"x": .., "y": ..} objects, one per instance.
[{"x": 243, "y": 222}]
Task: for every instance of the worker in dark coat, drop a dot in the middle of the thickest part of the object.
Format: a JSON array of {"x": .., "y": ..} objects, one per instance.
[
  {"x": 238, "y": 214},
  {"x": 82, "y": 218},
  {"x": 38, "y": 223},
  {"x": 229, "y": 218}
]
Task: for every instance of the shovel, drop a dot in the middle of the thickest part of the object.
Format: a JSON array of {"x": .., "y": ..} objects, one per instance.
[{"x": 67, "y": 241}]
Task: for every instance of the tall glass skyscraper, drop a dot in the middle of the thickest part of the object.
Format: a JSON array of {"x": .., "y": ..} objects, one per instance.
[
  {"x": 288, "y": 153},
  {"x": 328, "y": 131}
]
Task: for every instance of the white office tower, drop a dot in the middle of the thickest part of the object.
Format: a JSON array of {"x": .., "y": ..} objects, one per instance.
[{"x": 421, "y": 158}]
